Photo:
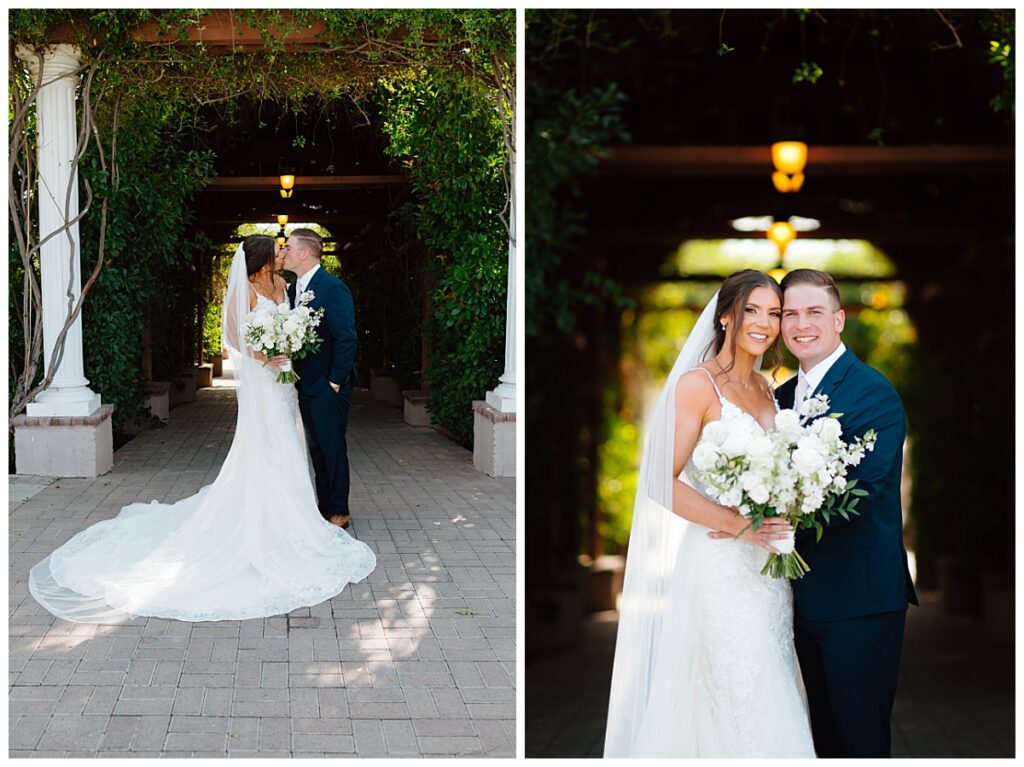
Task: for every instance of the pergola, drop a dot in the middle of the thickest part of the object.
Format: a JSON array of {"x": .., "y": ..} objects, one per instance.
[{"x": 66, "y": 427}]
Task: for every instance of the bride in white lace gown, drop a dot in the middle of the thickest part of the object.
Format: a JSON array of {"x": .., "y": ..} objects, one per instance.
[
  {"x": 252, "y": 544},
  {"x": 705, "y": 664}
]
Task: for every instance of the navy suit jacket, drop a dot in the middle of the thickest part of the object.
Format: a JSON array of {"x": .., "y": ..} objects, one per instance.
[
  {"x": 859, "y": 567},
  {"x": 335, "y": 361}
]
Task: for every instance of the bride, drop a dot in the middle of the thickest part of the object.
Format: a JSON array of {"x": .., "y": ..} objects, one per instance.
[
  {"x": 250, "y": 545},
  {"x": 705, "y": 664}
]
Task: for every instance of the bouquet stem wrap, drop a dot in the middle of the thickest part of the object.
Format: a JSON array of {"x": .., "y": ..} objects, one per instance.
[{"x": 287, "y": 375}]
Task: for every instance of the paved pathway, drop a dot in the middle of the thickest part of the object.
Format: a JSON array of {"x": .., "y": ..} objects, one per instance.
[
  {"x": 419, "y": 660},
  {"x": 955, "y": 696}
]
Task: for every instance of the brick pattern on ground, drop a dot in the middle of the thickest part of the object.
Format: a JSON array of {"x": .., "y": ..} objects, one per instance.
[
  {"x": 418, "y": 660},
  {"x": 955, "y": 696}
]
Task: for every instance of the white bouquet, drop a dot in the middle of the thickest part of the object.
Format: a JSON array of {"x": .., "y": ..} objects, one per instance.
[
  {"x": 797, "y": 472},
  {"x": 277, "y": 329}
]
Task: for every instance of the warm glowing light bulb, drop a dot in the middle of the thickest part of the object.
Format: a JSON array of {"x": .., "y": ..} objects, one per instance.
[
  {"x": 781, "y": 233},
  {"x": 287, "y": 181},
  {"x": 789, "y": 156},
  {"x": 282, "y": 219}
]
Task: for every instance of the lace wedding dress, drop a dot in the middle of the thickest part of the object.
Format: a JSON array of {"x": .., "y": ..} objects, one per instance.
[
  {"x": 705, "y": 664},
  {"x": 251, "y": 544}
]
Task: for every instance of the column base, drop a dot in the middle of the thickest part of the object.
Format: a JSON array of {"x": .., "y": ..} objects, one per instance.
[
  {"x": 416, "y": 411},
  {"x": 502, "y": 398},
  {"x": 494, "y": 441},
  {"x": 53, "y": 403},
  {"x": 49, "y": 446}
]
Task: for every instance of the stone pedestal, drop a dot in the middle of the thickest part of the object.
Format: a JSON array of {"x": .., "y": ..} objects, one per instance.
[
  {"x": 416, "y": 412},
  {"x": 64, "y": 446},
  {"x": 204, "y": 376},
  {"x": 160, "y": 399},
  {"x": 604, "y": 583},
  {"x": 494, "y": 441},
  {"x": 217, "y": 360},
  {"x": 384, "y": 388},
  {"x": 183, "y": 387}
]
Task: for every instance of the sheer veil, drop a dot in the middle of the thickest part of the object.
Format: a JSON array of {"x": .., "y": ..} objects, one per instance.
[
  {"x": 636, "y": 714},
  {"x": 236, "y": 307}
]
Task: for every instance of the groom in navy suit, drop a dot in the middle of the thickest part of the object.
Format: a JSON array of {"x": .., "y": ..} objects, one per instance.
[
  {"x": 850, "y": 609},
  {"x": 326, "y": 378}
]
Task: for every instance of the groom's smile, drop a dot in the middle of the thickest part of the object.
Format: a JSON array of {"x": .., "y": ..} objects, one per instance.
[{"x": 811, "y": 323}]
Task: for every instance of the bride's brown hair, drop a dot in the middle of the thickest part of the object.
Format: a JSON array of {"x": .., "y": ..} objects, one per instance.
[
  {"x": 732, "y": 298},
  {"x": 259, "y": 251}
]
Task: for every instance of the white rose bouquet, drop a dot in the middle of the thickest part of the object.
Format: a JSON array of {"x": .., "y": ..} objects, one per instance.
[
  {"x": 797, "y": 472},
  {"x": 278, "y": 329}
]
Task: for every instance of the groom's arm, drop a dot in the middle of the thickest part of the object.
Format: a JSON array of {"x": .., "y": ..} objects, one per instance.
[{"x": 341, "y": 325}]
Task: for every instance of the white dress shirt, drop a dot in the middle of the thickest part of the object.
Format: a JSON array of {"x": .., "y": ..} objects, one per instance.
[
  {"x": 303, "y": 282},
  {"x": 807, "y": 382}
]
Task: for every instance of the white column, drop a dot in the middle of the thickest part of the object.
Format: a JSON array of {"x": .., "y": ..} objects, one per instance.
[
  {"x": 60, "y": 259},
  {"x": 503, "y": 397}
]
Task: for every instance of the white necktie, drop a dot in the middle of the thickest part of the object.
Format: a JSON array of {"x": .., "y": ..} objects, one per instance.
[{"x": 801, "y": 391}]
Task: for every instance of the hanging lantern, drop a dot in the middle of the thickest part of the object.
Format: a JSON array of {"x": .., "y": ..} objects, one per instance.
[
  {"x": 282, "y": 219},
  {"x": 790, "y": 159}
]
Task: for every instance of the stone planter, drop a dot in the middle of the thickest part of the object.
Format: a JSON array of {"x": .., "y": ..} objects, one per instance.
[
  {"x": 998, "y": 601},
  {"x": 384, "y": 388},
  {"x": 204, "y": 376},
  {"x": 960, "y": 586},
  {"x": 160, "y": 400},
  {"x": 217, "y": 360},
  {"x": 183, "y": 387},
  {"x": 416, "y": 412},
  {"x": 604, "y": 583}
]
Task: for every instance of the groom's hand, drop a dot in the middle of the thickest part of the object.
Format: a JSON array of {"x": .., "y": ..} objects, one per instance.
[{"x": 279, "y": 361}]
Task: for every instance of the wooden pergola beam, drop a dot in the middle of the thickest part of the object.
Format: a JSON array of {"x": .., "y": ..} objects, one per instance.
[
  {"x": 712, "y": 161},
  {"x": 318, "y": 183},
  {"x": 324, "y": 220},
  {"x": 223, "y": 28}
]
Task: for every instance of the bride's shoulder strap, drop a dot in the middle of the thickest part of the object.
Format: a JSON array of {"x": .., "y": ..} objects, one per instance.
[{"x": 710, "y": 378}]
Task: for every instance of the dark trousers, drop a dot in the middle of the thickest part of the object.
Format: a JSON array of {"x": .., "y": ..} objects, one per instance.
[
  {"x": 325, "y": 417},
  {"x": 850, "y": 669}
]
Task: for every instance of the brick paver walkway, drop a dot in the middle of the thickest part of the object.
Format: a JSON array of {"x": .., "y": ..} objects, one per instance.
[
  {"x": 955, "y": 696},
  {"x": 417, "y": 661}
]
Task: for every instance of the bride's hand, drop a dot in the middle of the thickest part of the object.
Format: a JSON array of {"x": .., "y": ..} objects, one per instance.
[
  {"x": 772, "y": 529},
  {"x": 279, "y": 361}
]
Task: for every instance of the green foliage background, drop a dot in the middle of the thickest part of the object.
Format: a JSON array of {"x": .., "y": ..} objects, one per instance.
[{"x": 448, "y": 131}]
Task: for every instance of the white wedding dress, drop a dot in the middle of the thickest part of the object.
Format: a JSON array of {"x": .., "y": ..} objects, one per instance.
[
  {"x": 251, "y": 544},
  {"x": 705, "y": 664}
]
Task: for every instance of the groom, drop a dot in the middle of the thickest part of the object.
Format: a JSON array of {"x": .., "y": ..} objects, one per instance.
[
  {"x": 326, "y": 378},
  {"x": 849, "y": 611}
]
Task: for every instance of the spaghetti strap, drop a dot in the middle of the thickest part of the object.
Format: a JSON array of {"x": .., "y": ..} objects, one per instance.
[{"x": 712, "y": 379}]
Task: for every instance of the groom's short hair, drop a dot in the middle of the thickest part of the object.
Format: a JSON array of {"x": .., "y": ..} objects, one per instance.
[
  {"x": 812, "y": 277},
  {"x": 315, "y": 243}
]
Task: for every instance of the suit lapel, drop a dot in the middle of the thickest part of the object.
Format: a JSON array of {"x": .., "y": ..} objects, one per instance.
[
  {"x": 835, "y": 374},
  {"x": 313, "y": 283},
  {"x": 291, "y": 295}
]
